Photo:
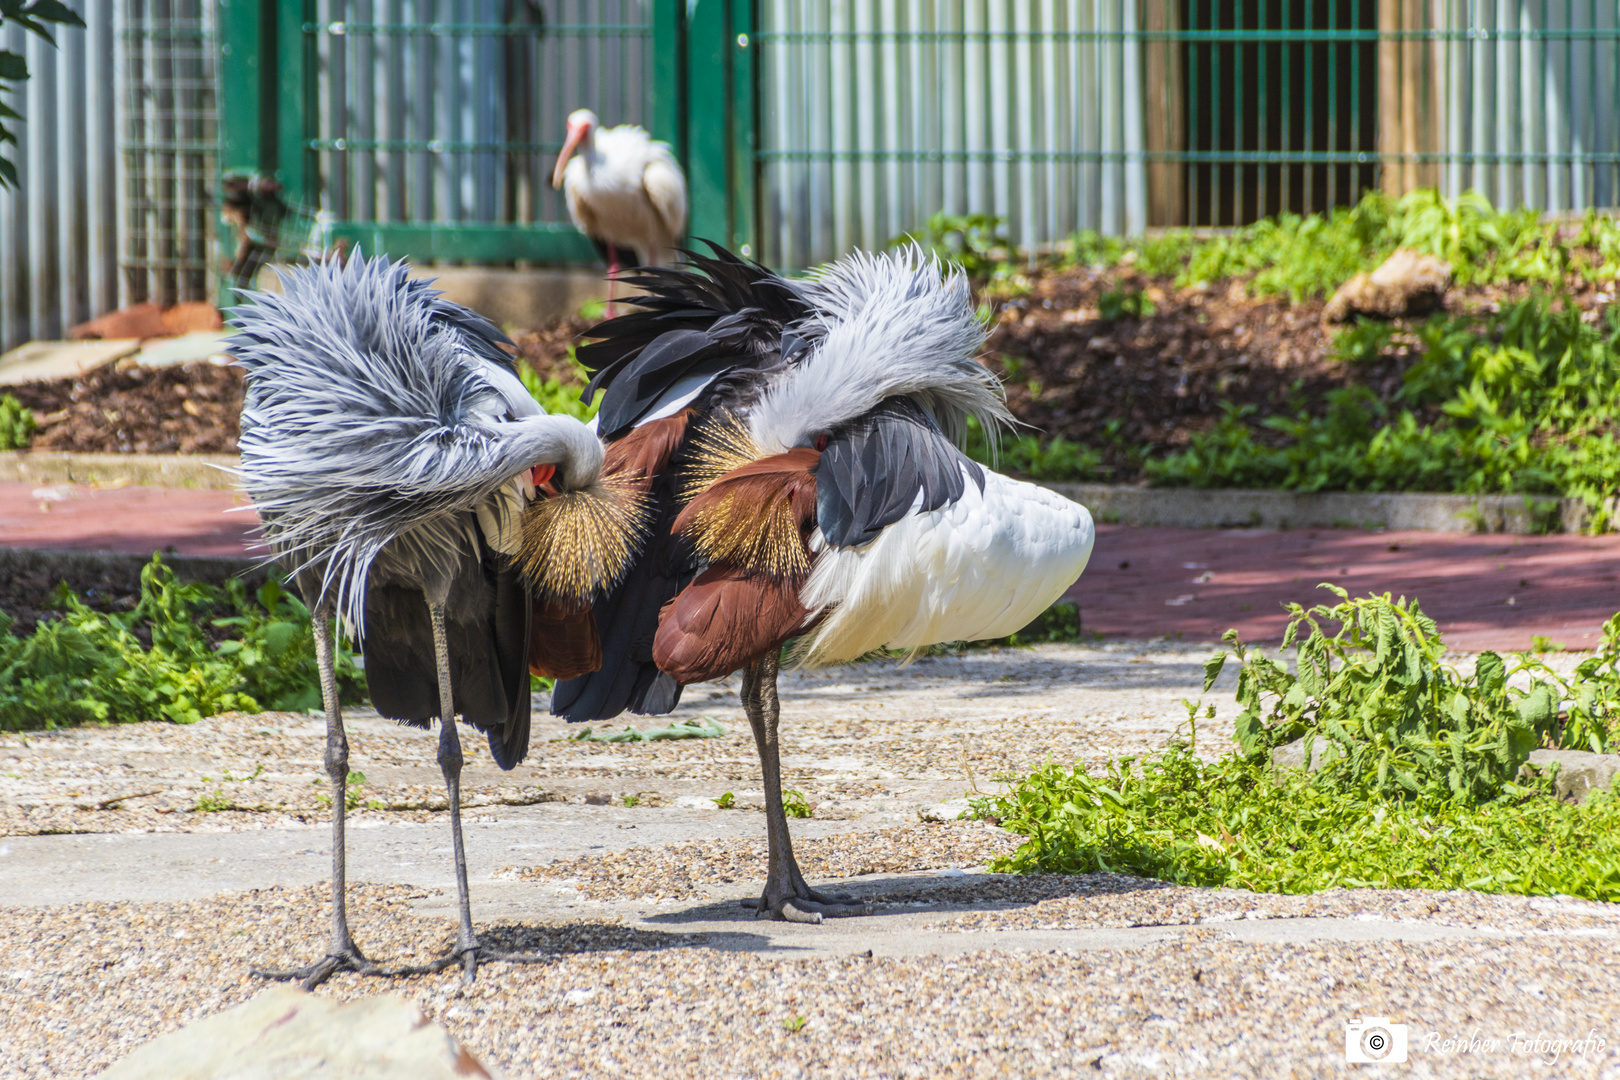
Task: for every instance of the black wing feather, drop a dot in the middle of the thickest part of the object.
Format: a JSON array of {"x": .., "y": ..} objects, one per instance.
[
  {"x": 713, "y": 314},
  {"x": 487, "y": 624},
  {"x": 627, "y": 619},
  {"x": 872, "y": 470}
]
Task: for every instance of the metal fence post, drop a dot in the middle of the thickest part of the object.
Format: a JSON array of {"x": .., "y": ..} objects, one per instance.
[
  {"x": 720, "y": 159},
  {"x": 667, "y": 119},
  {"x": 295, "y": 96}
]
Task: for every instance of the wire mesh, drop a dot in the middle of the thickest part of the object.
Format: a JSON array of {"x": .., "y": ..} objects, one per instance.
[
  {"x": 168, "y": 147},
  {"x": 454, "y": 110},
  {"x": 1120, "y": 115}
]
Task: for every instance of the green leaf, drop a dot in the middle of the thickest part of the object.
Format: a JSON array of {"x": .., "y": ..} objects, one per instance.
[
  {"x": 1212, "y": 669},
  {"x": 13, "y": 66},
  {"x": 54, "y": 12},
  {"x": 1490, "y": 673}
]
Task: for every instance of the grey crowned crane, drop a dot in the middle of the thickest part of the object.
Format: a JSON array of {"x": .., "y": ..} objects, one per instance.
[
  {"x": 797, "y": 442},
  {"x": 414, "y": 489}
]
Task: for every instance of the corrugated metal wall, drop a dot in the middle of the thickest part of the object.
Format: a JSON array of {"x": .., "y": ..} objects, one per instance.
[
  {"x": 116, "y": 155},
  {"x": 877, "y": 113},
  {"x": 454, "y": 110},
  {"x": 1525, "y": 101},
  {"x": 59, "y": 229},
  {"x": 168, "y": 145}
]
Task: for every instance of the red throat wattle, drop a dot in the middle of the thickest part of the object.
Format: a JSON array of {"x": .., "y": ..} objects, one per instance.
[{"x": 542, "y": 475}]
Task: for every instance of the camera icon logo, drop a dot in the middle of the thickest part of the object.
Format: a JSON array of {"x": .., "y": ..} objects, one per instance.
[{"x": 1373, "y": 1039}]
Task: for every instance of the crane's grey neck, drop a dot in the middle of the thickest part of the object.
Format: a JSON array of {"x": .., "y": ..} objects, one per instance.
[{"x": 561, "y": 441}]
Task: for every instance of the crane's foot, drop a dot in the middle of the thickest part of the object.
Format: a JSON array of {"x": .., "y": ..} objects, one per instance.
[
  {"x": 349, "y": 959},
  {"x": 312, "y": 976},
  {"x": 806, "y": 905}
]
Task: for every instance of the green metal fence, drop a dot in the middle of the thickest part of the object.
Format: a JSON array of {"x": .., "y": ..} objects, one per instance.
[
  {"x": 1122, "y": 115},
  {"x": 428, "y": 127}
]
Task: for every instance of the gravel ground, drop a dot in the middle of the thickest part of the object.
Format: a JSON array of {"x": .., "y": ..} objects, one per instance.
[
  {"x": 873, "y": 736},
  {"x": 696, "y": 867},
  {"x": 674, "y": 989},
  {"x": 86, "y": 983}
]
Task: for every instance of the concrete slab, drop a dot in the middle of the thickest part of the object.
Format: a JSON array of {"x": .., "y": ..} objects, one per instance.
[
  {"x": 36, "y": 467},
  {"x": 198, "y": 345},
  {"x": 507, "y": 297},
  {"x": 60, "y": 359},
  {"x": 51, "y": 870}
]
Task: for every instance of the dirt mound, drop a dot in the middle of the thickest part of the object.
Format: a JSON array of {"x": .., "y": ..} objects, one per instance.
[{"x": 125, "y": 408}]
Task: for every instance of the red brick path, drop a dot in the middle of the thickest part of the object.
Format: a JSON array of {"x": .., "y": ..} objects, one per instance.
[
  {"x": 1485, "y": 591},
  {"x": 1193, "y": 582}
]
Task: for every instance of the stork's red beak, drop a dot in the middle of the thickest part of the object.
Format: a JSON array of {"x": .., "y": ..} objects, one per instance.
[
  {"x": 542, "y": 475},
  {"x": 577, "y": 130}
]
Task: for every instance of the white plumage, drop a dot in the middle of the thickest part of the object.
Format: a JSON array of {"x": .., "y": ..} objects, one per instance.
[
  {"x": 624, "y": 189},
  {"x": 982, "y": 567}
]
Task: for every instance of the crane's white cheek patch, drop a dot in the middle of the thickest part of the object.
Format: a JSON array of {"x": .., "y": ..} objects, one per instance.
[
  {"x": 982, "y": 567},
  {"x": 500, "y": 516}
]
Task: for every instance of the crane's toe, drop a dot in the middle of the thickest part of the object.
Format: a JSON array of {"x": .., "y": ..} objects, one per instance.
[
  {"x": 313, "y": 975},
  {"x": 809, "y": 906}
]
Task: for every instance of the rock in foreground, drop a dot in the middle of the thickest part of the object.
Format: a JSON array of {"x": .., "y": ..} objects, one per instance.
[{"x": 286, "y": 1034}]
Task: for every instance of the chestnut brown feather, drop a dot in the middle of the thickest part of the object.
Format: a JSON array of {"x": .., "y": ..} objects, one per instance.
[
  {"x": 757, "y": 516},
  {"x": 578, "y": 542},
  {"x": 644, "y": 452},
  {"x": 563, "y": 642},
  {"x": 725, "y": 619}
]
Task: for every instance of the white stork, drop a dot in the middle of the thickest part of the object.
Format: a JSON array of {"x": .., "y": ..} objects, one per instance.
[
  {"x": 797, "y": 444},
  {"x": 624, "y": 191}
]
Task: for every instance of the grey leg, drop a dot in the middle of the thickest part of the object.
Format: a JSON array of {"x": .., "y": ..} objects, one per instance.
[
  {"x": 342, "y": 953},
  {"x": 450, "y": 762},
  {"x": 787, "y": 895}
]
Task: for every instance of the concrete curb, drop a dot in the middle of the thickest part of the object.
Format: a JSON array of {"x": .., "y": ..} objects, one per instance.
[
  {"x": 1121, "y": 504},
  {"x": 140, "y": 470},
  {"x": 1201, "y": 509}
]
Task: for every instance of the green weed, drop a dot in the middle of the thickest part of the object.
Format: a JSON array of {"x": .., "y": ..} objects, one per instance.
[
  {"x": 1528, "y": 401},
  {"x": 1420, "y": 786},
  {"x": 17, "y": 424},
  {"x": 725, "y": 802},
  {"x": 1117, "y": 304},
  {"x": 557, "y": 396},
  {"x": 973, "y": 242},
  {"x": 794, "y": 804},
  {"x": 156, "y": 662}
]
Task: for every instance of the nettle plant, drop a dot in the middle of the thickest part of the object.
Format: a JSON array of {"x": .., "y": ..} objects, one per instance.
[{"x": 1398, "y": 721}]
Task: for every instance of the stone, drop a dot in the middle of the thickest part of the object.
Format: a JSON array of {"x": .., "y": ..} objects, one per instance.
[
  {"x": 1408, "y": 283},
  {"x": 286, "y": 1034},
  {"x": 1579, "y": 772},
  {"x": 950, "y": 810},
  {"x": 197, "y": 345},
  {"x": 60, "y": 359},
  {"x": 1292, "y": 755}
]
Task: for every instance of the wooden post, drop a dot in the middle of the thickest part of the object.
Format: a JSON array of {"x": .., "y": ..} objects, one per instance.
[{"x": 1165, "y": 113}]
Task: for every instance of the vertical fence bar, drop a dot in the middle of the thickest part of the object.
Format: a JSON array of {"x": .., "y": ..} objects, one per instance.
[
  {"x": 15, "y": 280},
  {"x": 44, "y": 308},
  {"x": 101, "y": 157}
]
